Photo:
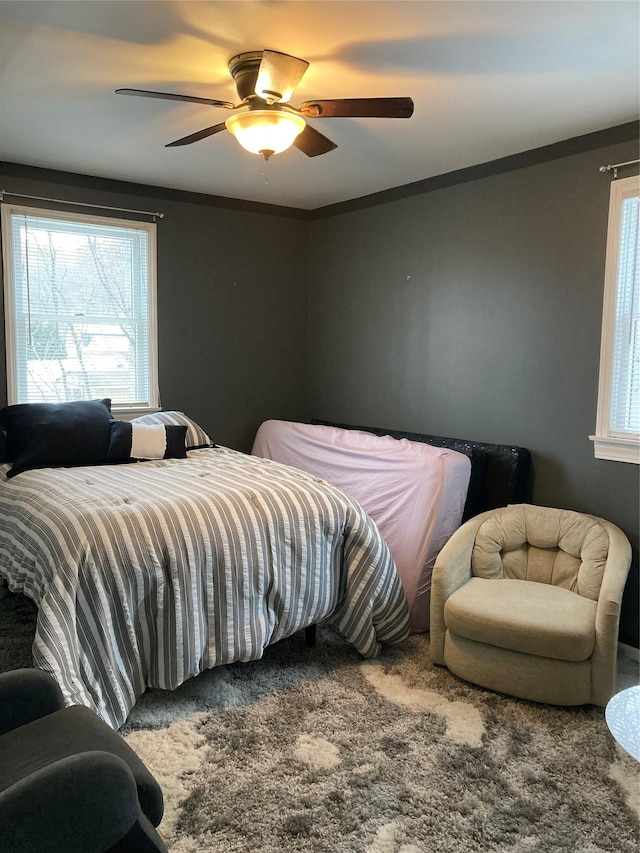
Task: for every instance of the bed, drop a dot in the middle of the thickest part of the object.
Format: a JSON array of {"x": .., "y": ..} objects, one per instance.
[
  {"x": 146, "y": 574},
  {"x": 417, "y": 488}
]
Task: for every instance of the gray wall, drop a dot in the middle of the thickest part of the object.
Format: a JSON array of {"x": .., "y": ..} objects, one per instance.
[
  {"x": 494, "y": 337},
  {"x": 232, "y": 308}
]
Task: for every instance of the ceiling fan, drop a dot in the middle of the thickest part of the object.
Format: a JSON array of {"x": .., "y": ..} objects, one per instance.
[{"x": 265, "y": 81}]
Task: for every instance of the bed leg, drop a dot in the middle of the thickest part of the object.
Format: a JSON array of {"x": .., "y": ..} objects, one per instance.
[{"x": 310, "y": 635}]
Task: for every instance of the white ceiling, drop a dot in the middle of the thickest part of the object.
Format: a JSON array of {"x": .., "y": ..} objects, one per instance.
[{"x": 488, "y": 79}]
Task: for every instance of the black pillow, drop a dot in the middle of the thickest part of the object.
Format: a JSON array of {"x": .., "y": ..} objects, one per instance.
[
  {"x": 55, "y": 435},
  {"x": 171, "y": 439}
]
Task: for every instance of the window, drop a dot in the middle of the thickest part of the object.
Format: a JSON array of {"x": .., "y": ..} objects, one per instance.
[
  {"x": 80, "y": 308},
  {"x": 618, "y": 419}
]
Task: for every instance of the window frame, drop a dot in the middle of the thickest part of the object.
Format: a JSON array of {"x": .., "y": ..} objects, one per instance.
[
  {"x": 8, "y": 210},
  {"x": 608, "y": 443}
]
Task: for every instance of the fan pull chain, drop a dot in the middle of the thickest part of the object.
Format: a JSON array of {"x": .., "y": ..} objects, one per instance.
[{"x": 263, "y": 169}]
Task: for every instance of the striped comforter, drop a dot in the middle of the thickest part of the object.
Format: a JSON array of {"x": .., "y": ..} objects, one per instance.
[{"x": 145, "y": 575}]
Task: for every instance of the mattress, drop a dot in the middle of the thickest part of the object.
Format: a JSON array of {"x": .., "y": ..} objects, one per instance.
[{"x": 415, "y": 493}]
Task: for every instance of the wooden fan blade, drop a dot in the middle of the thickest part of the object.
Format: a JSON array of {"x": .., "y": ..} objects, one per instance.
[
  {"x": 278, "y": 75},
  {"x": 196, "y": 137},
  {"x": 167, "y": 96},
  {"x": 312, "y": 143},
  {"x": 359, "y": 108}
]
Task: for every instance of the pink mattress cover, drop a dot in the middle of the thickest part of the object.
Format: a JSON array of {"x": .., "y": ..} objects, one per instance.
[{"x": 415, "y": 493}]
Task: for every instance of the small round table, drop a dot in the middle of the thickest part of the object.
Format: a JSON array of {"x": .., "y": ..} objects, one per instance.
[{"x": 623, "y": 718}]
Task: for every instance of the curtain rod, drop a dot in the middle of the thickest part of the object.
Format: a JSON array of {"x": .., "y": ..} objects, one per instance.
[
  {"x": 154, "y": 214},
  {"x": 617, "y": 166}
]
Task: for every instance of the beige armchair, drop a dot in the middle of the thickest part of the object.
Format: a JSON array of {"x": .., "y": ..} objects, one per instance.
[{"x": 525, "y": 600}]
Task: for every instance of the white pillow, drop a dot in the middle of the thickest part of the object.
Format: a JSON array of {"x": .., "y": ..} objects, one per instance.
[{"x": 196, "y": 437}]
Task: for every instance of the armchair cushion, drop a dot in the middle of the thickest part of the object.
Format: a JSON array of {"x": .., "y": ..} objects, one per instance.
[
  {"x": 543, "y": 544},
  {"x": 529, "y": 617}
]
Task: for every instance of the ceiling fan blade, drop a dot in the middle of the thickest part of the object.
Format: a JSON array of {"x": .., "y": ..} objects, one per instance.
[
  {"x": 359, "y": 108},
  {"x": 278, "y": 75},
  {"x": 312, "y": 143},
  {"x": 167, "y": 96},
  {"x": 196, "y": 137}
]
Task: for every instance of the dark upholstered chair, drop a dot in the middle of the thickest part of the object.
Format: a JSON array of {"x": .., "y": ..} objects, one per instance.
[
  {"x": 525, "y": 600},
  {"x": 68, "y": 782}
]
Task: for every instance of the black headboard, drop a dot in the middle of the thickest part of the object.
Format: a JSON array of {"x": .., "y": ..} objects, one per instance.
[{"x": 501, "y": 474}]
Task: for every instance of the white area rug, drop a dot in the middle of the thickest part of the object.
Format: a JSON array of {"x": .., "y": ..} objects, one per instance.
[{"x": 315, "y": 750}]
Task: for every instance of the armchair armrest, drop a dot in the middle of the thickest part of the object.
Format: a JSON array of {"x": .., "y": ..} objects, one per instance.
[
  {"x": 27, "y": 695},
  {"x": 84, "y": 803},
  {"x": 452, "y": 569},
  {"x": 614, "y": 579}
]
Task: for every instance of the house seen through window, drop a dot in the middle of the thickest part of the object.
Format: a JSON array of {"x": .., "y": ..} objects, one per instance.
[{"x": 80, "y": 296}]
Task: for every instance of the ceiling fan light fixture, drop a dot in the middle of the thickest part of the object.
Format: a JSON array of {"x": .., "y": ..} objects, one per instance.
[{"x": 265, "y": 132}]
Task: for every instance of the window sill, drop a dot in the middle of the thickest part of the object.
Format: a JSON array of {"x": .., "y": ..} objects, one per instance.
[
  {"x": 126, "y": 414},
  {"x": 616, "y": 449}
]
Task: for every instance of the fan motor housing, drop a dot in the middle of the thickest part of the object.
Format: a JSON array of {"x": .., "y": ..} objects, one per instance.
[{"x": 244, "y": 70}]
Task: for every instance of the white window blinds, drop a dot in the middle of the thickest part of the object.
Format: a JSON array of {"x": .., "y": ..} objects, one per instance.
[
  {"x": 618, "y": 417},
  {"x": 625, "y": 386},
  {"x": 80, "y": 304}
]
